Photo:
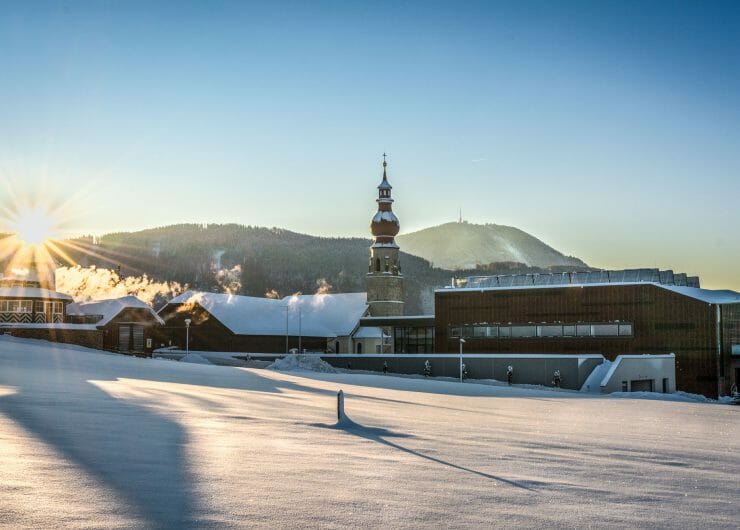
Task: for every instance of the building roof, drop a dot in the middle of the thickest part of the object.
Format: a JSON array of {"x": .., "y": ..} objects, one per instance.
[
  {"x": 368, "y": 332},
  {"x": 338, "y": 312},
  {"x": 723, "y": 296},
  {"x": 665, "y": 277},
  {"x": 705, "y": 295},
  {"x": 319, "y": 315},
  {"x": 110, "y": 308},
  {"x": 32, "y": 292}
]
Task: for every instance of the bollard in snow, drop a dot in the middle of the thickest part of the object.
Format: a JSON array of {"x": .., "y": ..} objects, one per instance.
[{"x": 340, "y": 406}]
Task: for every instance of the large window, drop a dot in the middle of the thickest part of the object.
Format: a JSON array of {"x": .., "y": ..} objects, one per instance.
[
  {"x": 415, "y": 340},
  {"x": 544, "y": 330},
  {"x": 16, "y": 306}
]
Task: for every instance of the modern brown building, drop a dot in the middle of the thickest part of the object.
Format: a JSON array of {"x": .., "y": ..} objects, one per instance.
[{"x": 620, "y": 312}]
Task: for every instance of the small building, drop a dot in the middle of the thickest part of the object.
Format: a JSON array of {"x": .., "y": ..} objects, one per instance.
[
  {"x": 128, "y": 324},
  {"x": 28, "y": 303},
  {"x": 611, "y": 313},
  {"x": 222, "y": 322}
]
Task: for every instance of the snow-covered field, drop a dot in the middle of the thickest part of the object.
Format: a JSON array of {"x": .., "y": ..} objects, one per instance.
[{"x": 89, "y": 439}]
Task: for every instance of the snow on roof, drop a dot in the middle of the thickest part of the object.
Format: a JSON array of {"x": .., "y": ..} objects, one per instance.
[
  {"x": 384, "y": 184},
  {"x": 319, "y": 315},
  {"x": 710, "y": 296},
  {"x": 368, "y": 332},
  {"x": 383, "y": 215},
  {"x": 705, "y": 295},
  {"x": 109, "y": 308},
  {"x": 338, "y": 312},
  {"x": 32, "y": 292}
]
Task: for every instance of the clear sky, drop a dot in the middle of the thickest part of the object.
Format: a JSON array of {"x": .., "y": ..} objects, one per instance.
[{"x": 610, "y": 130}]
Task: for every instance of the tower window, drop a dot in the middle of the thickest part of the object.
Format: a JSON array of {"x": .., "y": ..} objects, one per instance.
[{"x": 377, "y": 264}]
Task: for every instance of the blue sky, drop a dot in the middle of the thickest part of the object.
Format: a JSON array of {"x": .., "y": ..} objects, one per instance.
[{"x": 611, "y": 130}]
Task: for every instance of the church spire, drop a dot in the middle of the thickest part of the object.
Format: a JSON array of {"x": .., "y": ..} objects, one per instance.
[{"x": 384, "y": 279}]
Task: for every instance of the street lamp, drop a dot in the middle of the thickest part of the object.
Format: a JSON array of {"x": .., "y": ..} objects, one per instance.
[
  {"x": 187, "y": 336},
  {"x": 299, "y": 331},
  {"x": 462, "y": 341}
]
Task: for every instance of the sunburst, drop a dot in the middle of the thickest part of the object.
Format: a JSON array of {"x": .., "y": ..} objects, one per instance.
[{"x": 31, "y": 244}]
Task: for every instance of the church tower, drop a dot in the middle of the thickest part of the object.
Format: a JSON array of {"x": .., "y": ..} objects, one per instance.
[{"x": 384, "y": 278}]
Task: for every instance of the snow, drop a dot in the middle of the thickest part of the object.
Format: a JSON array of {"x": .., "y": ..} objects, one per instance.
[
  {"x": 368, "y": 332},
  {"x": 704, "y": 295},
  {"x": 110, "y": 308},
  {"x": 32, "y": 292},
  {"x": 91, "y": 439},
  {"x": 597, "y": 375},
  {"x": 47, "y": 325},
  {"x": 302, "y": 363},
  {"x": 193, "y": 358},
  {"x": 387, "y": 216},
  {"x": 319, "y": 315},
  {"x": 338, "y": 312}
]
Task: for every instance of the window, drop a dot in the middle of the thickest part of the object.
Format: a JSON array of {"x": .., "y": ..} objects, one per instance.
[
  {"x": 605, "y": 330},
  {"x": 549, "y": 331},
  {"x": 545, "y": 330},
  {"x": 523, "y": 331},
  {"x": 485, "y": 331},
  {"x": 16, "y": 306}
]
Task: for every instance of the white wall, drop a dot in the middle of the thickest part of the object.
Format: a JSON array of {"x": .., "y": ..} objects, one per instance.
[{"x": 631, "y": 368}]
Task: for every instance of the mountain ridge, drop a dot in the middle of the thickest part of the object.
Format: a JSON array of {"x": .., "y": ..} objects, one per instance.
[{"x": 463, "y": 245}]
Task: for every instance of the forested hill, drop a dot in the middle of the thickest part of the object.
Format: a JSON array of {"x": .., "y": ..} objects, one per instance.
[
  {"x": 256, "y": 261},
  {"x": 467, "y": 245}
]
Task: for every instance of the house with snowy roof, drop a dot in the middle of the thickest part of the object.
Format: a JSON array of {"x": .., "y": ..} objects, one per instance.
[
  {"x": 128, "y": 324},
  {"x": 225, "y": 322}
]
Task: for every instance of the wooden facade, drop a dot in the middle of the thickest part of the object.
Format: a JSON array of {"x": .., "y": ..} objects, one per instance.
[
  {"x": 134, "y": 331},
  {"x": 659, "y": 321}
]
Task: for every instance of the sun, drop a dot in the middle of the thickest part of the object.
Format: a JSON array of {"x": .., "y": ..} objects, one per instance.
[{"x": 34, "y": 226}]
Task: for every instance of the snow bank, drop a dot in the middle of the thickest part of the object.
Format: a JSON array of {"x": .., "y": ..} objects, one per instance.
[
  {"x": 194, "y": 358},
  {"x": 684, "y": 397},
  {"x": 593, "y": 381},
  {"x": 302, "y": 363}
]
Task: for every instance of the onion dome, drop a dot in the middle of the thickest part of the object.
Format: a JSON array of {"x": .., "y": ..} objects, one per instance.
[{"x": 384, "y": 225}]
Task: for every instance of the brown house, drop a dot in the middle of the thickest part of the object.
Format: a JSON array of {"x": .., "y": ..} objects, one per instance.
[
  {"x": 128, "y": 324},
  {"x": 233, "y": 323},
  {"x": 700, "y": 326}
]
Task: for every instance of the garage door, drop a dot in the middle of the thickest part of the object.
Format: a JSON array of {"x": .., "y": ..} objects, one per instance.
[
  {"x": 131, "y": 338},
  {"x": 642, "y": 385}
]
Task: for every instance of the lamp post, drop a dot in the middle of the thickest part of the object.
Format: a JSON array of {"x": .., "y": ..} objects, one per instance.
[
  {"x": 187, "y": 335},
  {"x": 299, "y": 331},
  {"x": 462, "y": 341},
  {"x": 287, "y": 313}
]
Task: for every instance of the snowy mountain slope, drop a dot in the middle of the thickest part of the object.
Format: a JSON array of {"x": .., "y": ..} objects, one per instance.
[
  {"x": 96, "y": 440},
  {"x": 466, "y": 246}
]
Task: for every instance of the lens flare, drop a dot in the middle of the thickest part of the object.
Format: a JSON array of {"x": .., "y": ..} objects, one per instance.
[{"x": 34, "y": 226}]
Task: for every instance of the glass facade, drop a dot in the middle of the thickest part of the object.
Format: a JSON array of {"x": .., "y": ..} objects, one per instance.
[{"x": 413, "y": 339}]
